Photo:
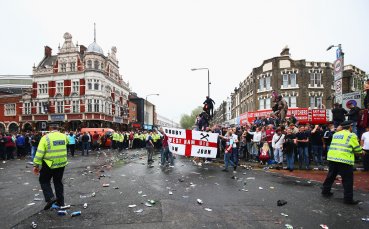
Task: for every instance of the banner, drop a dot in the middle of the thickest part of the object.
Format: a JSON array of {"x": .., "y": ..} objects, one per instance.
[
  {"x": 318, "y": 116},
  {"x": 303, "y": 115},
  {"x": 191, "y": 142}
]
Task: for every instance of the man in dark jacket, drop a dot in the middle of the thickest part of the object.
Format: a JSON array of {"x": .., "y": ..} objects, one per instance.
[
  {"x": 353, "y": 115},
  {"x": 210, "y": 104},
  {"x": 338, "y": 114}
]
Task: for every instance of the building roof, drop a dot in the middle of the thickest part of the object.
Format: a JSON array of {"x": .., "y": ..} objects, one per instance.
[{"x": 94, "y": 47}]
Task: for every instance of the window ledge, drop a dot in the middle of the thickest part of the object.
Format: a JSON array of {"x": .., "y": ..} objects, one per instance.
[
  {"x": 315, "y": 86},
  {"x": 264, "y": 90},
  {"x": 290, "y": 87}
]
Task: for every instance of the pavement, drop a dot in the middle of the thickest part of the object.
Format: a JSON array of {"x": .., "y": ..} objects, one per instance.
[{"x": 247, "y": 199}]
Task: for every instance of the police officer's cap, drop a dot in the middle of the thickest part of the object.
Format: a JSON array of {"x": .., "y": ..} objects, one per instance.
[{"x": 347, "y": 123}]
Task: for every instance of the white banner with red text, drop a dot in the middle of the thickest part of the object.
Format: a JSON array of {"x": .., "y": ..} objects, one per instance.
[{"x": 191, "y": 142}]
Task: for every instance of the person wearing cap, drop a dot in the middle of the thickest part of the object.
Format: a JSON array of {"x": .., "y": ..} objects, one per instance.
[
  {"x": 341, "y": 157},
  {"x": 353, "y": 115},
  {"x": 338, "y": 115}
]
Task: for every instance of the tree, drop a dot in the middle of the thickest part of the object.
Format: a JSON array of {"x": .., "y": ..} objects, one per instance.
[{"x": 188, "y": 121}]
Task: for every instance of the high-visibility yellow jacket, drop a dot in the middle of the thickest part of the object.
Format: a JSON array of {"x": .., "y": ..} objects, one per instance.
[
  {"x": 53, "y": 150},
  {"x": 136, "y": 136},
  {"x": 155, "y": 137},
  {"x": 121, "y": 137},
  {"x": 343, "y": 147},
  {"x": 115, "y": 136}
]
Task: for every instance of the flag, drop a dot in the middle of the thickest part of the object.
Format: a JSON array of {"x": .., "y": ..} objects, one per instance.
[{"x": 191, "y": 142}]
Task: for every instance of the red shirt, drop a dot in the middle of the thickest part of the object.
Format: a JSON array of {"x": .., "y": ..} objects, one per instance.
[
  {"x": 165, "y": 141},
  {"x": 269, "y": 135},
  {"x": 95, "y": 137}
]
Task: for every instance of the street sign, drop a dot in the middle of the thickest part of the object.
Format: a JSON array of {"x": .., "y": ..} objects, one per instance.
[
  {"x": 348, "y": 98},
  {"x": 338, "y": 99},
  {"x": 338, "y": 69},
  {"x": 338, "y": 87}
]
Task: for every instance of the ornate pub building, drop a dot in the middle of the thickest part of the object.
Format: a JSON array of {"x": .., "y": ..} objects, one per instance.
[{"x": 78, "y": 87}]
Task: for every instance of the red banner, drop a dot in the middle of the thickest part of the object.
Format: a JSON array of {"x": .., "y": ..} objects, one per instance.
[{"x": 303, "y": 115}]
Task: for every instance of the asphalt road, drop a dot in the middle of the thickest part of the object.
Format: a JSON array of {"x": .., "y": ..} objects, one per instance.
[{"x": 249, "y": 201}]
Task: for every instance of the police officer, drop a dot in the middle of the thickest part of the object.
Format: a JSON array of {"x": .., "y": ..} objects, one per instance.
[
  {"x": 51, "y": 156},
  {"x": 341, "y": 160}
]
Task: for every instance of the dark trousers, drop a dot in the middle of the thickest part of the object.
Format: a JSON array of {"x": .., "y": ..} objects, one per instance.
[
  {"x": 347, "y": 174},
  {"x": 45, "y": 177},
  {"x": 72, "y": 148},
  {"x": 234, "y": 156},
  {"x": 9, "y": 152},
  {"x": 366, "y": 160}
]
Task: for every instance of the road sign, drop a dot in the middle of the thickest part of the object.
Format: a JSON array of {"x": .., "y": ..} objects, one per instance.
[
  {"x": 338, "y": 69},
  {"x": 354, "y": 98},
  {"x": 338, "y": 87}
]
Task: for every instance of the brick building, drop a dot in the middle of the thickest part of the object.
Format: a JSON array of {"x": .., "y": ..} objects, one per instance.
[
  {"x": 77, "y": 87},
  {"x": 10, "y": 111},
  {"x": 304, "y": 84}
]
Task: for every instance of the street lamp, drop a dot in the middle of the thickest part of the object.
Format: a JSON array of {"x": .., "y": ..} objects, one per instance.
[
  {"x": 195, "y": 69},
  {"x": 338, "y": 71},
  {"x": 146, "y": 105}
]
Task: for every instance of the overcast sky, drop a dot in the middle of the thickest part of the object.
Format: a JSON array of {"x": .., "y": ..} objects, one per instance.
[{"x": 159, "y": 41}]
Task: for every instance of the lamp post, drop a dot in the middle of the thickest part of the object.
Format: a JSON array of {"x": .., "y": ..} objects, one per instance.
[
  {"x": 338, "y": 71},
  {"x": 195, "y": 69},
  {"x": 146, "y": 105}
]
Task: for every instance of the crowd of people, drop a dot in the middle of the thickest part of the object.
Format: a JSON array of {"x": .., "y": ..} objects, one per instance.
[{"x": 24, "y": 144}]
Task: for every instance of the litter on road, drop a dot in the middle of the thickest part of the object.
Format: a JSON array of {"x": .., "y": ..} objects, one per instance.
[
  {"x": 199, "y": 201},
  {"x": 250, "y": 178},
  {"x": 62, "y": 212},
  {"x": 85, "y": 205},
  {"x": 33, "y": 225},
  {"x": 170, "y": 193},
  {"x": 73, "y": 214},
  {"x": 148, "y": 205},
  {"x": 288, "y": 226},
  {"x": 283, "y": 214},
  {"x": 260, "y": 188},
  {"x": 65, "y": 207},
  {"x": 323, "y": 226},
  {"x": 30, "y": 204},
  {"x": 208, "y": 209},
  {"x": 281, "y": 202},
  {"x": 365, "y": 219},
  {"x": 138, "y": 211},
  {"x": 106, "y": 185},
  {"x": 132, "y": 205}
]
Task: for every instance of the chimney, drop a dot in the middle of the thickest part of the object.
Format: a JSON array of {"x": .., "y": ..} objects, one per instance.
[
  {"x": 285, "y": 51},
  {"x": 48, "y": 51},
  {"x": 82, "y": 49}
]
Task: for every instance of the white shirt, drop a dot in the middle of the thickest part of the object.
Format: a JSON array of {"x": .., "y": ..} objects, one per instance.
[
  {"x": 235, "y": 140},
  {"x": 365, "y": 138},
  {"x": 257, "y": 137},
  {"x": 277, "y": 141}
]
